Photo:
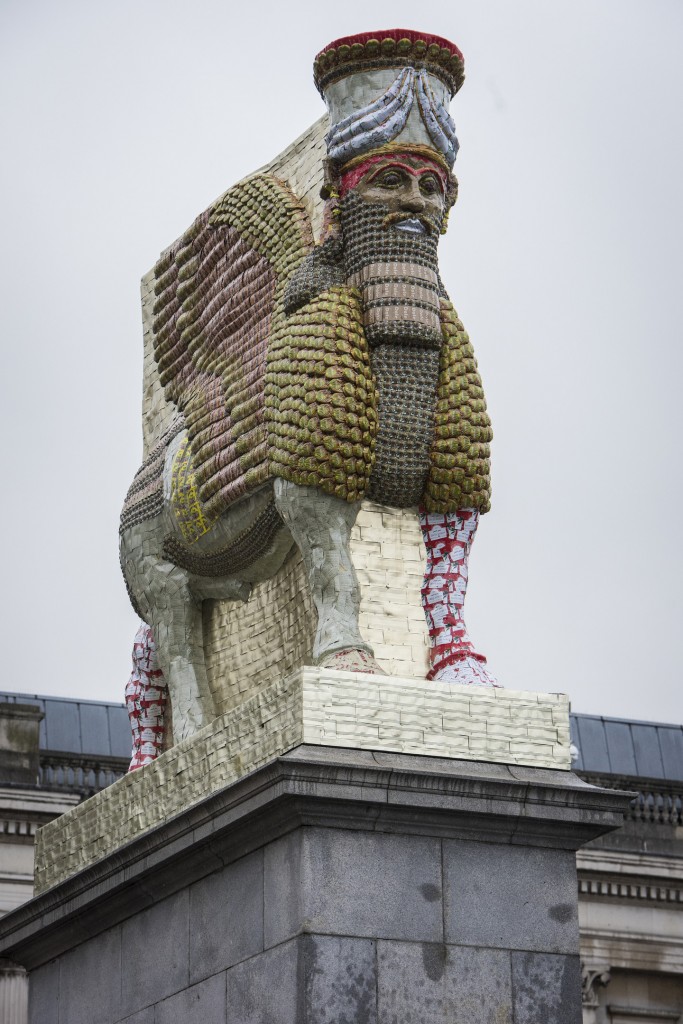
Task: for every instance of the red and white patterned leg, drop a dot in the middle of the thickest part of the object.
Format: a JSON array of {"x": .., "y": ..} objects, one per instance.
[
  {"x": 145, "y": 700},
  {"x": 448, "y": 538}
]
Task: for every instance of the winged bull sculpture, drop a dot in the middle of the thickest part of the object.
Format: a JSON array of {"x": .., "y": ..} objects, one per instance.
[{"x": 307, "y": 377}]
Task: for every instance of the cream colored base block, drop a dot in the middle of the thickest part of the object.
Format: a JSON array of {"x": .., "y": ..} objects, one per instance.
[
  {"x": 314, "y": 706},
  {"x": 249, "y": 646}
]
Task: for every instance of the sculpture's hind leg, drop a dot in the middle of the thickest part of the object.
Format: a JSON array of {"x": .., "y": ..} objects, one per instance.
[
  {"x": 180, "y": 645},
  {"x": 321, "y": 527},
  {"x": 146, "y": 700},
  {"x": 165, "y": 599}
]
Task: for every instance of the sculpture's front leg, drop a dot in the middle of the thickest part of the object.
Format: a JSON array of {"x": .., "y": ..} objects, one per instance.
[
  {"x": 448, "y": 538},
  {"x": 321, "y": 527}
]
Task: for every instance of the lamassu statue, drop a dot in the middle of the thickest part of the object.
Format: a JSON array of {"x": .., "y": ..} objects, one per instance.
[{"x": 308, "y": 374}]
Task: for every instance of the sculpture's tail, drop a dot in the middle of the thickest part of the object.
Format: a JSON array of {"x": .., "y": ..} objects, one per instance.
[{"x": 146, "y": 699}]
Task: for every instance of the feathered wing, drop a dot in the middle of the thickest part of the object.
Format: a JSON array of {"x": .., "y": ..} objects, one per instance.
[{"x": 219, "y": 294}]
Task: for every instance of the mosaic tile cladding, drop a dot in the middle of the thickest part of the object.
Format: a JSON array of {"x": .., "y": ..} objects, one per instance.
[{"x": 314, "y": 422}]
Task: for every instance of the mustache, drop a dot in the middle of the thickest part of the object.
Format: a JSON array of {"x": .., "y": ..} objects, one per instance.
[{"x": 427, "y": 222}]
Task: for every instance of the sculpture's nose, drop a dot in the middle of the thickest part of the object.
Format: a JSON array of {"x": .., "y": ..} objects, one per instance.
[{"x": 413, "y": 200}]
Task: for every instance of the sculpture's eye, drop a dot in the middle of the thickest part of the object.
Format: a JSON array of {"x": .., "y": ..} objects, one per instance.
[
  {"x": 390, "y": 178},
  {"x": 430, "y": 185}
]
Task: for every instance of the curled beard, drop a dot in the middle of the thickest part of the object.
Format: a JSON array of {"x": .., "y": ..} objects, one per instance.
[{"x": 396, "y": 272}]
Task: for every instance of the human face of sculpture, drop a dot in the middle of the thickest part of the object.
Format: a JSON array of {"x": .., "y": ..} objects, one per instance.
[
  {"x": 391, "y": 214},
  {"x": 412, "y": 190}
]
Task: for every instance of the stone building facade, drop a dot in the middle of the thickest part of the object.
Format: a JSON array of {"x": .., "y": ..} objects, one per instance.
[
  {"x": 53, "y": 754},
  {"x": 631, "y": 882}
]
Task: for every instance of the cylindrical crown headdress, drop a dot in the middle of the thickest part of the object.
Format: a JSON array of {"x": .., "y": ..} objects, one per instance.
[{"x": 389, "y": 88}]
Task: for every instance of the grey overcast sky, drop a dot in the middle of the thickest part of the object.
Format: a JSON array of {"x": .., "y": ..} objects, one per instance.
[{"x": 122, "y": 120}]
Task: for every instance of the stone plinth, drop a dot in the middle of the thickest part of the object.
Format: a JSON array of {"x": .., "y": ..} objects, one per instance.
[
  {"x": 330, "y": 886},
  {"x": 312, "y": 706}
]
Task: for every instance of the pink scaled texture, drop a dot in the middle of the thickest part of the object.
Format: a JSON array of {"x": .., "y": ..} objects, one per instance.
[
  {"x": 145, "y": 700},
  {"x": 448, "y": 538}
]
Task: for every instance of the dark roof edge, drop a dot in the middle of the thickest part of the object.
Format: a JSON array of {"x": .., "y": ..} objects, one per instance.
[
  {"x": 28, "y": 697},
  {"x": 627, "y": 721}
]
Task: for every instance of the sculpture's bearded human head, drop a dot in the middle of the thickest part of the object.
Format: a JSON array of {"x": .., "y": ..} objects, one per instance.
[
  {"x": 392, "y": 209},
  {"x": 411, "y": 188},
  {"x": 391, "y": 147}
]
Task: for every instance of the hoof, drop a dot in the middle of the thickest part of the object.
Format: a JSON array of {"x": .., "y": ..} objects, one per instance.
[
  {"x": 350, "y": 659},
  {"x": 464, "y": 672}
]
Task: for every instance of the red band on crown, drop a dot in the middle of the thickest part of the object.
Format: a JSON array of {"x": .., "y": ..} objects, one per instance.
[{"x": 396, "y": 34}]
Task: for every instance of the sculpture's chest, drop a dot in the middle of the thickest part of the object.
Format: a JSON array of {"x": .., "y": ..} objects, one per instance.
[{"x": 407, "y": 379}]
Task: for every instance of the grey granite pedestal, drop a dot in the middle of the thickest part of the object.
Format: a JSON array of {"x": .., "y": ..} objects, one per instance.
[{"x": 332, "y": 886}]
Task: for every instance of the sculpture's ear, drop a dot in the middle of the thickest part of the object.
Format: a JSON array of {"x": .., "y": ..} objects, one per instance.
[
  {"x": 329, "y": 193},
  {"x": 451, "y": 198},
  {"x": 322, "y": 269}
]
